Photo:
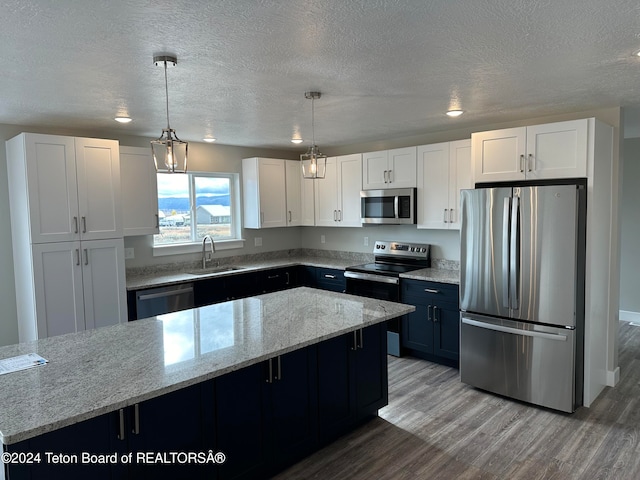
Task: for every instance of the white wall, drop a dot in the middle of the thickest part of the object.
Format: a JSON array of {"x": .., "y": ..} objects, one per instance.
[{"x": 630, "y": 230}]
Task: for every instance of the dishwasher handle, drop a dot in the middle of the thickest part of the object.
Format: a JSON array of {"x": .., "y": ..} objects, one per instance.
[{"x": 168, "y": 293}]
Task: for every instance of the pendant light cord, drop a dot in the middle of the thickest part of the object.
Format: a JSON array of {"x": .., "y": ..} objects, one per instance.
[
  {"x": 313, "y": 126},
  {"x": 166, "y": 91}
]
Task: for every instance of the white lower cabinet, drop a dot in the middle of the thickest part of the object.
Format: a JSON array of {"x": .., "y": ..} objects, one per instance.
[{"x": 76, "y": 286}]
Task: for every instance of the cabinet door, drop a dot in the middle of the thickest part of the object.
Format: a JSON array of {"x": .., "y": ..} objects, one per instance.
[
  {"x": 57, "y": 276},
  {"x": 402, "y": 168},
  {"x": 460, "y": 178},
  {"x": 498, "y": 155},
  {"x": 103, "y": 278},
  {"x": 336, "y": 388},
  {"x": 139, "y": 192},
  {"x": 433, "y": 186},
  {"x": 294, "y": 192},
  {"x": 169, "y": 423},
  {"x": 349, "y": 186},
  {"x": 557, "y": 150},
  {"x": 417, "y": 328},
  {"x": 294, "y": 406},
  {"x": 446, "y": 331},
  {"x": 375, "y": 167},
  {"x": 240, "y": 421},
  {"x": 371, "y": 370},
  {"x": 307, "y": 195},
  {"x": 99, "y": 198},
  {"x": 326, "y": 196},
  {"x": 52, "y": 188},
  {"x": 94, "y": 436},
  {"x": 275, "y": 279},
  {"x": 273, "y": 200}
]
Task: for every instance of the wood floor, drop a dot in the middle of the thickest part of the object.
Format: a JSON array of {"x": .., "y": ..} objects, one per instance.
[{"x": 437, "y": 428}]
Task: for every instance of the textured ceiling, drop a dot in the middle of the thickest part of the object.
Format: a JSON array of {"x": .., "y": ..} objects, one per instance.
[{"x": 385, "y": 68}]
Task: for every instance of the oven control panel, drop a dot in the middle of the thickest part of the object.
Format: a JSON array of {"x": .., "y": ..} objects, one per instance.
[{"x": 401, "y": 249}]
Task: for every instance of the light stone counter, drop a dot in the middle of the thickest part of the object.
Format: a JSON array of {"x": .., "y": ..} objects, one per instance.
[
  {"x": 154, "y": 278},
  {"x": 98, "y": 371},
  {"x": 434, "y": 275}
]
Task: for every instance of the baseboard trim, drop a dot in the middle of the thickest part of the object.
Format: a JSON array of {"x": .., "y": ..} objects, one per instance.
[
  {"x": 627, "y": 316},
  {"x": 613, "y": 377}
]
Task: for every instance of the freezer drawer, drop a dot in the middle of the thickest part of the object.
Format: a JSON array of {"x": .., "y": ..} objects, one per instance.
[{"x": 528, "y": 362}]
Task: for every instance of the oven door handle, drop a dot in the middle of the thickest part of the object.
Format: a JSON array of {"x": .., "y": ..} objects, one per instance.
[{"x": 372, "y": 278}]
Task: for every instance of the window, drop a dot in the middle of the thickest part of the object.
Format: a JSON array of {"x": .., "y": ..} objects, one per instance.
[{"x": 193, "y": 205}]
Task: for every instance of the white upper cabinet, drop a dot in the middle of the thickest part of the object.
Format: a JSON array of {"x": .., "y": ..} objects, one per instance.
[
  {"x": 264, "y": 192},
  {"x": 139, "y": 192},
  {"x": 307, "y": 196},
  {"x": 443, "y": 170},
  {"x": 554, "y": 150},
  {"x": 337, "y": 196},
  {"x": 293, "y": 178},
  {"x": 389, "y": 169},
  {"x": 72, "y": 186}
]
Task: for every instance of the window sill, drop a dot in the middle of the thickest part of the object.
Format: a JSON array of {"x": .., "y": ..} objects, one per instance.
[{"x": 182, "y": 248}]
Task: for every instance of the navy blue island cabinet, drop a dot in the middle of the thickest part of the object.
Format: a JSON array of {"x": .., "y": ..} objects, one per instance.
[{"x": 263, "y": 418}]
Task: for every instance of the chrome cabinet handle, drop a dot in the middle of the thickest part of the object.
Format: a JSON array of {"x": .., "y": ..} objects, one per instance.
[
  {"x": 429, "y": 316},
  {"x": 84, "y": 224},
  {"x": 435, "y": 316},
  {"x": 431, "y": 290},
  {"x": 288, "y": 278},
  {"x": 384, "y": 175},
  {"x": 335, "y": 215},
  {"x": 157, "y": 221},
  {"x": 75, "y": 224},
  {"x": 270, "y": 376},
  {"x": 389, "y": 175},
  {"x": 136, "y": 419},
  {"x": 530, "y": 162},
  {"x": 121, "y": 434},
  {"x": 77, "y": 256},
  {"x": 289, "y": 216},
  {"x": 354, "y": 346},
  {"x": 521, "y": 163},
  {"x": 279, "y": 371},
  {"x": 360, "y": 334},
  {"x": 445, "y": 216},
  {"x": 339, "y": 215},
  {"x": 86, "y": 257},
  {"x": 271, "y": 277},
  {"x": 451, "y": 215},
  {"x": 328, "y": 275}
]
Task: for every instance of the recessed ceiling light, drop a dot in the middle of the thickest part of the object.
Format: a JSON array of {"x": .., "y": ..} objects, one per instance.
[
  {"x": 123, "y": 119},
  {"x": 455, "y": 113},
  {"x": 296, "y": 140},
  {"x": 209, "y": 139}
]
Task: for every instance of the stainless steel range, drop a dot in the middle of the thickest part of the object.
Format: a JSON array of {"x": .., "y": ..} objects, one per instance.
[{"x": 381, "y": 279}]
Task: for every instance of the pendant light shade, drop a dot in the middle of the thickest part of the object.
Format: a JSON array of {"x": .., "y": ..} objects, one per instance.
[
  {"x": 169, "y": 152},
  {"x": 314, "y": 163}
]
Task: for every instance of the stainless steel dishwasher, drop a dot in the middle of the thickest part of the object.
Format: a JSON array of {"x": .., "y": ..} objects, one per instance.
[{"x": 156, "y": 301}]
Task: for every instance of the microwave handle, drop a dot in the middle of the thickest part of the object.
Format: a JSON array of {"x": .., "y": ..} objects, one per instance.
[{"x": 396, "y": 200}]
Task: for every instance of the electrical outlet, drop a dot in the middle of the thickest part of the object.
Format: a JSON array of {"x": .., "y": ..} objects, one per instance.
[
  {"x": 366, "y": 241},
  {"x": 321, "y": 238},
  {"x": 129, "y": 253},
  {"x": 257, "y": 242}
]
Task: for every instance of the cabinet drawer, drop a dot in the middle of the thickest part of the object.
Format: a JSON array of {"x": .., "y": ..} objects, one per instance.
[
  {"x": 429, "y": 291},
  {"x": 331, "y": 279}
]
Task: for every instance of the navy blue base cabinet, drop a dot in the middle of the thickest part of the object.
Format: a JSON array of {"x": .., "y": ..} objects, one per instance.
[
  {"x": 432, "y": 331},
  {"x": 263, "y": 417}
]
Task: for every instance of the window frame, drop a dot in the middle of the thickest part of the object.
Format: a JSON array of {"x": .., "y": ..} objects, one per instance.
[{"x": 193, "y": 246}]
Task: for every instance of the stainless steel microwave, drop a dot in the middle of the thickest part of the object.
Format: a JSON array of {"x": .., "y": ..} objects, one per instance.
[{"x": 394, "y": 206}]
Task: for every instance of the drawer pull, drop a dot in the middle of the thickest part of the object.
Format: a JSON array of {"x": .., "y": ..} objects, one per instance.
[
  {"x": 431, "y": 290},
  {"x": 328, "y": 275}
]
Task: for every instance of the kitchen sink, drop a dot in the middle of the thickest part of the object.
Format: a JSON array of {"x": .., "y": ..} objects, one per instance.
[{"x": 211, "y": 270}]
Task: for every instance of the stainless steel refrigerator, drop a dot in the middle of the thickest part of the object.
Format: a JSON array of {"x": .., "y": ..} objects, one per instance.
[{"x": 522, "y": 292}]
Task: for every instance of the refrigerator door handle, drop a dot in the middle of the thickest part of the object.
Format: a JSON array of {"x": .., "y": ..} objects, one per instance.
[
  {"x": 514, "y": 253},
  {"x": 526, "y": 333},
  {"x": 505, "y": 252}
]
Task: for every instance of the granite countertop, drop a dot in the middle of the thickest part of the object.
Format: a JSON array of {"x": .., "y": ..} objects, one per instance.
[
  {"x": 99, "y": 371},
  {"x": 434, "y": 275},
  {"x": 445, "y": 271},
  {"x": 151, "y": 278}
]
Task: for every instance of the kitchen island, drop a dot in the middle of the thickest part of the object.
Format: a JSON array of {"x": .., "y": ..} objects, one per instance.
[{"x": 235, "y": 373}]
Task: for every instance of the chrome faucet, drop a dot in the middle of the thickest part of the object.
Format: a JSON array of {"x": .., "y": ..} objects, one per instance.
[{"x": 213, "y": 250}]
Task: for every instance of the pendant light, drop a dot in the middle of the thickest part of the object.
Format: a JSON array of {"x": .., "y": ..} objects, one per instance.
[
  {"x": 314, "y": 163},
  {"x": 169, "y": 152}
]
